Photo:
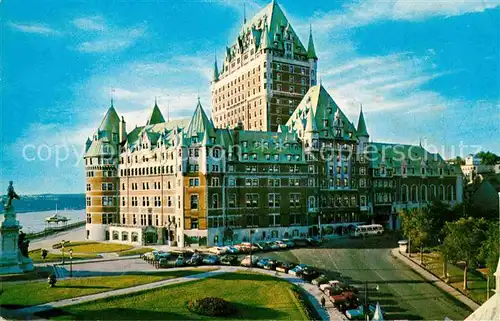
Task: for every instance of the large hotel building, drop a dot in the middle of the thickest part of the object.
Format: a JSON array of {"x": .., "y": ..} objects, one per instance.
[{"x": 278, "y": 158}]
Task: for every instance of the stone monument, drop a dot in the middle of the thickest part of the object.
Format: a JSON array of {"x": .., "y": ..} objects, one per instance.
[{"x": 13, "y": 247}]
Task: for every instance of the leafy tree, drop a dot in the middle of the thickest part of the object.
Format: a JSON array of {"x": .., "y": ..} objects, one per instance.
[
  {"x": 488, "y": 158},
  {"x": 417, "y": 228},
  {"x": 490, "y": 248},
  {"x": 463, "y": 242}
]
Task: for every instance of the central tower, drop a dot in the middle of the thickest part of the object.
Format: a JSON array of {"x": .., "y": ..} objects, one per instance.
[{"x": 264, "y": 75}]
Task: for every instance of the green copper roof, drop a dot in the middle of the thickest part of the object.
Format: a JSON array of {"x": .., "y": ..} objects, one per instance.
[
  {"x": 156, "y": 116},
  {"x": 393, "y": 155},
  {"x": 324, "y": 107},
  {"x": 362, "y": 132},
  {"x": 267, "y": 29},
  {"x": 311, "y": 52},
  {"x": 199, "y": 122},
  {"x": 111, "y": 121},
  {"x": 311, "y": 126},
  {"x": 216, "y": 71}
]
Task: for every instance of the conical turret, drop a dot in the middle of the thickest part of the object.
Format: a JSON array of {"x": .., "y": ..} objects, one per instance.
[
  {"x": 361, "y": 131},
  {"x": 216, "y": 71},
  {"x": 311, "y": 52},
  {"x": 156, "y": 116}
]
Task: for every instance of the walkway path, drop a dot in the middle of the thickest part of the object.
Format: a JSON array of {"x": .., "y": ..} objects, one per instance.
[
  {"x": 437, "y": 281},
  {"x": 314, "y": 294}
]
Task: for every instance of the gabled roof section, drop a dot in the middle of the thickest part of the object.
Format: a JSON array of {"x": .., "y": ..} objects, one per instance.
[
  {"x": 311, "y": 126},
  {"x": 362, "y": 131},
  {"x": 199, "y": 123},
  {"x": 324, "y": 108},
  {"x": 263, "y": 30},
  {"x": 156, "y": 116}
]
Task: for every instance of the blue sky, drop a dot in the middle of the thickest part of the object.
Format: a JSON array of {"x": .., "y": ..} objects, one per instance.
[{"x": 421, "y": 69}]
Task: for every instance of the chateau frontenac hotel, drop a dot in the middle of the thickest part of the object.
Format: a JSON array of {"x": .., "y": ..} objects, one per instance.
[{"x": 277, "y": 159}]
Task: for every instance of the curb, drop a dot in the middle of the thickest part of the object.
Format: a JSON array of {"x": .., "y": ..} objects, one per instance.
[{"x": 436, "y": 281}]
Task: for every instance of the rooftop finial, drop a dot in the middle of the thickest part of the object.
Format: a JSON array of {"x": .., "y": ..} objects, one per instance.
[
  {"x": 156, "y": 100},
  {"x": 244, "y": 12}
]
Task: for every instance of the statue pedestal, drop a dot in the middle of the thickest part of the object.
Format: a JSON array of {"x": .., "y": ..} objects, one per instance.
[{"x": 11, "y": 259}]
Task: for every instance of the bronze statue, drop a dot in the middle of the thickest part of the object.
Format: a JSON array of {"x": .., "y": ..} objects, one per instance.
[{"x": 11, "y": 194}]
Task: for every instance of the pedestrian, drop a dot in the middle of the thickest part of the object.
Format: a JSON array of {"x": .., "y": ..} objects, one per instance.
[{"x": 323, "y": 302}]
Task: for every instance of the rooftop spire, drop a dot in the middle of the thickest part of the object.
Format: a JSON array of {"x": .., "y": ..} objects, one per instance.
[
  {"x": 311, "y": 52},
  {"x": 362, "y": 132},
  {"x": 216, "y": 69},
  {"x": 156, "y": 116},
  {"x": 244, "y": 12}
]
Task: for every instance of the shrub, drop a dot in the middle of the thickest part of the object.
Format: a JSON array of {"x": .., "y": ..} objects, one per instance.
[{"x": 214, "y": 307}]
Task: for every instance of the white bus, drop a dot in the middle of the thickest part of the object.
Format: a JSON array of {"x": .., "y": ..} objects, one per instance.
[{"x": 372, "y": 229}]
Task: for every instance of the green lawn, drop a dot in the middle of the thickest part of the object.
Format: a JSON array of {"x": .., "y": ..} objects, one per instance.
[
  {"x": 21, "y": 294},
  {"x": 476, "y": 284},
  {"x": 36, "y": 256},
  {"x": 96, "y": 247},
  {"x": 136, "y": 251},
  {"x": 257, "y": 297}
]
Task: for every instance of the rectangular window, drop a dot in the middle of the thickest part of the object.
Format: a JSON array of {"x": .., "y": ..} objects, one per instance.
[
  {"x": 274, "y": 200},
  {"x": 194, "y": 202},
  {"x": 89, "y": 201},
  {"x": 231, "y": 200}
]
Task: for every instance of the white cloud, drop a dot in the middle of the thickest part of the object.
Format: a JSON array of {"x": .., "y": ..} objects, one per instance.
[
  {"x": 95, "y": 23},
  {"x": 113, "y": 40},
  {"x": 35, "y": 28},
  {"x": 362, "y": 13}
]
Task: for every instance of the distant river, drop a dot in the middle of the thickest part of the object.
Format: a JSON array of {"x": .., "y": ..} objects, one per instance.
[{"x": 35, "y": 221}]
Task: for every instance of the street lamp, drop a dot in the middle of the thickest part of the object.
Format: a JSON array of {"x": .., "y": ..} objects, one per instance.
[
  {"x": 70, "y": 262},
  {"x": 251, "y": 244},
  {"x": 62, "y": 248}
]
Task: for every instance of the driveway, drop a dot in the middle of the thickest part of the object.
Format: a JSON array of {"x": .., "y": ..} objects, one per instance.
[{"x": 401, "y": 292}]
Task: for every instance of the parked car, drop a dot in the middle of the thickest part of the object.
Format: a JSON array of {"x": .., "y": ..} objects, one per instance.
[
  {"x": 262, "y": 262},
  {"x": 297, "y": 271},
  {"x": 232, "y": 250},
  {"x": 263, "y": 246},
  {"x": 196, "y": 259},
  {"x": 271, "y": 265},
  {"x": 163, "y": 263},
  {"x": 211, "y": 259},
  {"x": 179, "y": 261},
  {"x": 288, "y": 243},
  {"x": 309, "y": 273},
  {"x": 246, "y": 260},
  {"x": 217, "y": 250},
  {"x": 285, "y": 267},
  {"x": 322, "y": 279},
  {"x": 160, "y": 254},
  {"x": 273, "y": 246},
  {"x": 248, "y": 245},
  {"x": 148, "y": 256},
  {"x": 229, "y": 260},
  {"x": 241, "y": 248},
  {"x": 281, "y": 244}
]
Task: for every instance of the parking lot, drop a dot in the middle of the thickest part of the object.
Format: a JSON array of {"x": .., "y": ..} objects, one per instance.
[{"x": 402, "y": 293}]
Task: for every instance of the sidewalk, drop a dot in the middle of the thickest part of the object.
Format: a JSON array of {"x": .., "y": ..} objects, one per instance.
[
  {"x": 436, "y": 281},
  {"x": 313, "y": 292}
]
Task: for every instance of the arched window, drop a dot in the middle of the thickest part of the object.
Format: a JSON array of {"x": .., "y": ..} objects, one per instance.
[
  {"x": 116, "y": 236},
  {"x": 433, "y": 192},
  {"x": 135, "y": 237},
  {"x": 404, "y": 193},
  {"x": 451, "y": 193},
  {"x": 442, "y": 195},
  {"x": 423, "y": 193},
  {"x": 414, "y": 193},
  {"x": 124, "y": 236}
]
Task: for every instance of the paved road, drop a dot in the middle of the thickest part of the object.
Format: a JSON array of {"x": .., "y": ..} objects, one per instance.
[
  {"x": 77, "y": 234},
  {"x": 402, "y": 292}
]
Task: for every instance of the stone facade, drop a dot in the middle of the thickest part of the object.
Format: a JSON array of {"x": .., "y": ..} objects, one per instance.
[
  {"x": 186, "y": 181},
  {"x": 265, "y": 74}
]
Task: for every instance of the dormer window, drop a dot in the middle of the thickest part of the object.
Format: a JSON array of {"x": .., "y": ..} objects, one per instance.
[{"x": 105, "y": 149}]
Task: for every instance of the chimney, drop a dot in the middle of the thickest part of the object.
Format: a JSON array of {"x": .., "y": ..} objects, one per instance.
[{"x": 123, "y": 130}]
